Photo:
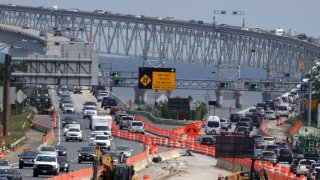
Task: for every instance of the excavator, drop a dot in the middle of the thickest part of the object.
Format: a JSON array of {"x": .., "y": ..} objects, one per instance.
[{"x": 111, "y": 171}]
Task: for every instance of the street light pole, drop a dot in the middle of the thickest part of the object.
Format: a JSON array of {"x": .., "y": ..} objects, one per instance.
[{"x": 6, "y": 95}]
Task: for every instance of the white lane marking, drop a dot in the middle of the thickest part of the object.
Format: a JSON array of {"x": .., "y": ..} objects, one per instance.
[{"x": 59, "y": 131}]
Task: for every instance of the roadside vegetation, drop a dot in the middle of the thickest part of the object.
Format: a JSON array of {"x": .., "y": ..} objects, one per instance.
[{"x": 18, "y": 127}]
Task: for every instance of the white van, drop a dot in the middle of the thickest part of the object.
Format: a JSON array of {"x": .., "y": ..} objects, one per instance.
[{"x": 213, "y": 125}]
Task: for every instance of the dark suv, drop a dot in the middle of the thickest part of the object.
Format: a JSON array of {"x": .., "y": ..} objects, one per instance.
[
  {"x": 86, "y": 153},
  {"x": 235, "y": 117},
  {"x": 27, "y": 158},
  {"x": 108, "y": 102},
  {"x": 285, "y": 155}
]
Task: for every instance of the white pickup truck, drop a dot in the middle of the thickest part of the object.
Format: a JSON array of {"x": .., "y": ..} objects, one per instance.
[{"x": 45, "y": 164}]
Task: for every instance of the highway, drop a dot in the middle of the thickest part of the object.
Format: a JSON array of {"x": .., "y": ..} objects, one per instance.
[{"x": 73, "y": 146}]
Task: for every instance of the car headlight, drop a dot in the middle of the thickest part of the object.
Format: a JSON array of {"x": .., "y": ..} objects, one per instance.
[
  {"x": 66, "y": 165},
  {"x": 21, "y": 159},
  {"x": 55, "y": 166},
  {"x": 64, "y": 152},
  {"x": 79, "y": 154}
]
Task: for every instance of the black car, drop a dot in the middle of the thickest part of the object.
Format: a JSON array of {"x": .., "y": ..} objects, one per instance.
[
  {"x": 68, "y": 120},
  {"x": 248, "y": 120},
  {"x": 263, "y": 105},
  {"x": 114, "y": 155},
  {"x": 242, "y": 130},
  {"x": 62, "y": 151},
  {"x": 86, "y": 153},
  {"x": 27, "y": 158},
  {"x": 77, "y": 90},
  {"x": 285, "y": 155},
  {"x": 257, "y": 139},
  {"x": 235, "y": 117},
  {"x": 108, "y": 102},
  {"x": 257, "y": 119},
  {"x": 294, "y": 165},
  {"x": 209, "y": 141},
  {"x": 64, "y": 163},
  {"x": 240, "y": 123},
  {"x": 10, "y": 174}
]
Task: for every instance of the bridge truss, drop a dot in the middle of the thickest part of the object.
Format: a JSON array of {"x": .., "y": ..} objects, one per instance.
[{"x": 170, "y": 40}]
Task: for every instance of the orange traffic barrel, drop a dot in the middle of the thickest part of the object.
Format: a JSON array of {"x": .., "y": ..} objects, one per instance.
[
  {"x": 146, "y": 177},
  {"x": 1, "y": 155}
]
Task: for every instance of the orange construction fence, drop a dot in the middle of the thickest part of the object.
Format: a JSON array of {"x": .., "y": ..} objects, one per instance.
[{"x": 79, "y": 174}]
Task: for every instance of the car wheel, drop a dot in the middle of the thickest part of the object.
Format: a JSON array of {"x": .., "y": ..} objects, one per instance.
[
  {"x": 105, "y": 108},
  {"x": 56, "y": 173},
  {"x": 120, "y": 127},
  {"x": 20, "y": 166},
  {"x": 35, "y": 174},
  {"x": 79, "y": 161},
  {"x": 67, "y": 170},
  {"x": 80, "y": 140},
  {"x": 67, "y": 140}
]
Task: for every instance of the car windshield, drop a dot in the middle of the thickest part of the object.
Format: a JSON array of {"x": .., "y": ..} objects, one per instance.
[
  {"x": 101, "y": 128},
  {"x": 268, "y": 154},
  {"x": 62, "y": 159},
  {"x": 4, "y": 163},
  {"x": 91, "y": 108},
  {"x": 29, "y": 153},
  {"x": 68, "y": 119},
  {"x": 67, "y": 102},
  {"x": 48, "y": 149},
  {"x": 123, "y": 148},
  {"x": 223, "y": 120},
  {"x": 137, "y": 124},
  {"x": 90, "y": 104},
  {"x": 60, "y": 148},
  {"x": 74, "y": 130},
  {"x": 103, "y": 94},
  {"x": 46, "y": 158},
  {"x": 9, "y": 171},
  {"x": 127, "y": 118},
  {"x": 102, "y": 137},
  {"x": 88, "y": 149},
  {"x": 68, "y": 105},
  {"x": 272, "y": 147},
  {"x": 269, "y": 112},
  {"x": 243, "y": 124},
  {"x": 268, "y": 139},
  {"x": 306, "y": 162},
  {"x": 213, "y": 124},
  {"x": 245, "y": 119},
  {"x": 282, "y": 108},
  {"x": 241, "y": 129},
  {"x": 207, "y": 139}
]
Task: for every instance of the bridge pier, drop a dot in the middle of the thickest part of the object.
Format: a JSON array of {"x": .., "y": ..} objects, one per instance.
[
  {"x": 219, "y": 97},
  {"x": 140, "y": 96},
  {"x": 239, "y": 97}
]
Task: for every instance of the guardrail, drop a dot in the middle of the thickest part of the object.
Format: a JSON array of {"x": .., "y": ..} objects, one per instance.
[{"x": 120, "y": 103}]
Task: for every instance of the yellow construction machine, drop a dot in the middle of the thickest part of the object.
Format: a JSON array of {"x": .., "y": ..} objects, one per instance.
[{"x": 105, "y": 169}]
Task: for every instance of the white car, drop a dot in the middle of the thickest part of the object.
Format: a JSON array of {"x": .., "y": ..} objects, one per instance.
[
  {"x": 46, "y": 164},
  {"x": 5, "y": 164},
  {"x": 267, "y": 140},
  {"x": 99, "y": 11},
  {"x": 68, "y": 126},
  {"x": 103, "y": 141},
  {"x": 303, "y": 166},
  {"x": 74, "y": 134},
  {"x": 136, "y": 126},
  {"x": 89, "y": 111},
  {"x": 101, "y": 95},
  {"x": 68, "y": 108},
  {"x": 126, "y": 150},
  {"x": 270, "y": 115},
  {"x": 51, "y": 150}
]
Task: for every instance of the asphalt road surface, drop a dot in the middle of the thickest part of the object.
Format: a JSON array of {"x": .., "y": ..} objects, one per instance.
[{"x": 74, "y": 146}]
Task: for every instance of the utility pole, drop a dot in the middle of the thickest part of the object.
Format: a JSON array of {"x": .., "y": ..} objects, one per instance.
[
  {"x": 309, "y": 103},
  {"x": 6, "y": 95}
]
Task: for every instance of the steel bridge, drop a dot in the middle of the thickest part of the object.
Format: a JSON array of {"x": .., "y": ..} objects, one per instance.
[{"x": 170, "y": 40}]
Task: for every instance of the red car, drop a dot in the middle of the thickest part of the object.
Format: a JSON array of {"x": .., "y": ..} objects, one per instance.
[{"x": 113, "y": 110}]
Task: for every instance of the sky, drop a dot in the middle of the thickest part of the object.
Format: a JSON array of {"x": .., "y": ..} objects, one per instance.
[{"x": 298, "y": 15}]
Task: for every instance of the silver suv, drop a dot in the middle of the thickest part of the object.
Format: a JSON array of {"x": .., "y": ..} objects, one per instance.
[{"x": 125, "y": 122}]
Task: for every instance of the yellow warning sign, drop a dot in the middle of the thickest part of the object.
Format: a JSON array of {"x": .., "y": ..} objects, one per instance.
[
  {"x": 301, "y": 65},
  {"x": 164, "y": 80},
  {"x": 145, "y": 80}
]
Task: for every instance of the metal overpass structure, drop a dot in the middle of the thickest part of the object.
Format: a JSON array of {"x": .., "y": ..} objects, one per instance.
[{"x": 170, "y": 40}]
